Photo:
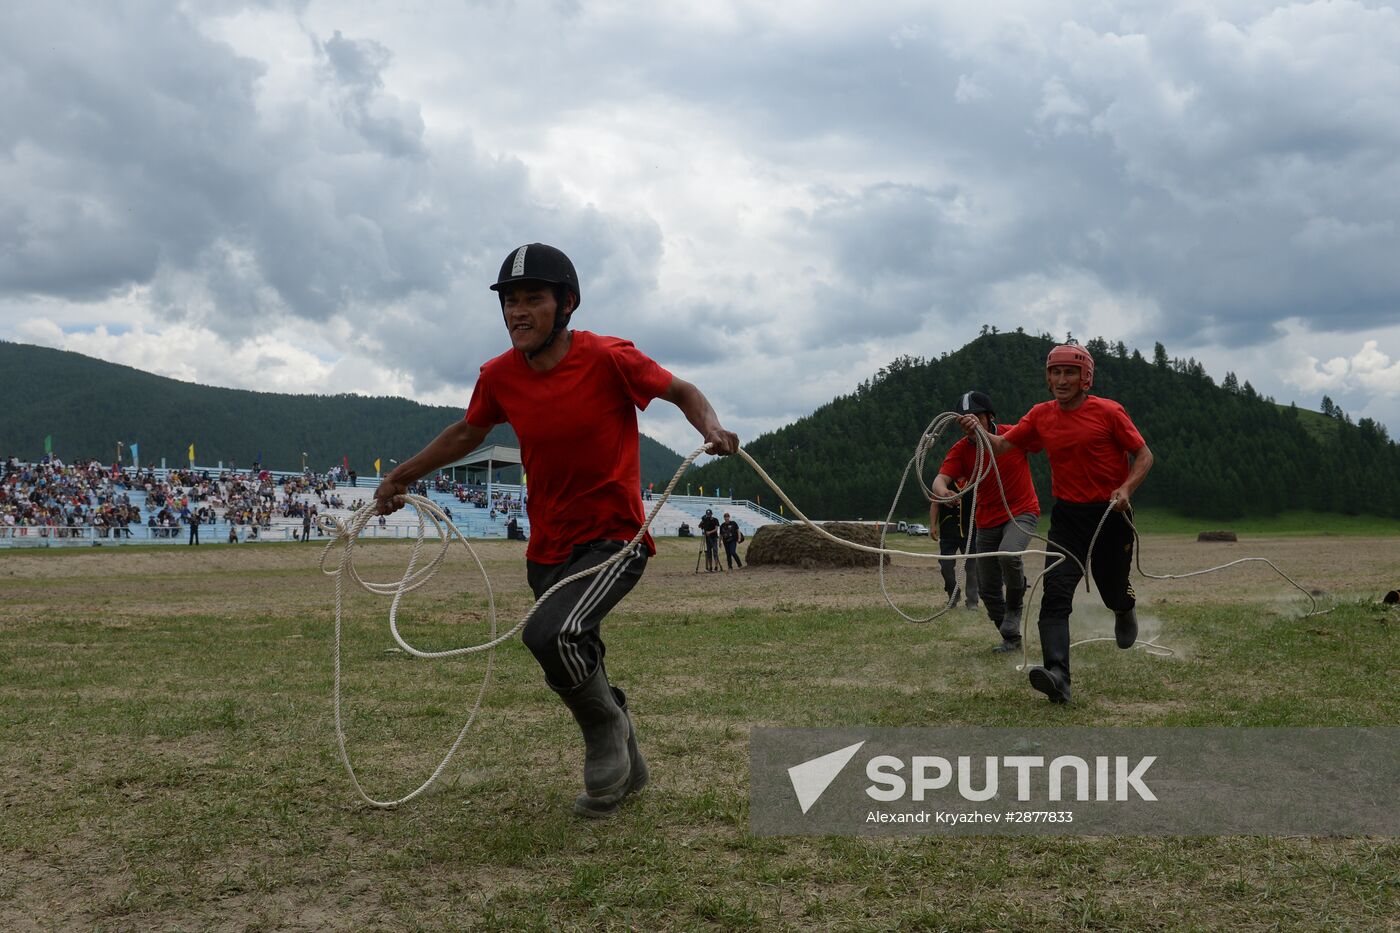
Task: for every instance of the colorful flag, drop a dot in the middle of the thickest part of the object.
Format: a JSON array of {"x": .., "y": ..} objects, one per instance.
[
  {"x": 376, "y": 466},
  {"x": 345, "y": 462},
  {"x": 702, "y": 490},
  {"x": 191, "y": 454},
  {"x": 135, "y": 455},
  {"x": 48, "y": 444}
]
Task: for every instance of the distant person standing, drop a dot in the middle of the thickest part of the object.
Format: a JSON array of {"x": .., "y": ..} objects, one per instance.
[
  {"x": 1001, "y": 581},
  {"x": 709, "y": 526},
  {"x": 306, "y": 523},
  {"x": 730, "y": 534},
  {"x": 1097, "y": 461},
  {"x": 194, "y": 527}
]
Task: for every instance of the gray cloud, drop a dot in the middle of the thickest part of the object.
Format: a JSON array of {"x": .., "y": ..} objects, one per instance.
[{"x": 1221, "y": 169}]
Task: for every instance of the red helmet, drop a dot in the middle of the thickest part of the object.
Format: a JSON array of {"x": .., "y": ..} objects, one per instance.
[{"x": 1072, "y": 354}]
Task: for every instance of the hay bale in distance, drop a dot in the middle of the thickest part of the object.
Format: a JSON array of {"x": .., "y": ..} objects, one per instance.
[
  {"x": 799, "y": 546},
  {"x": 1216, "y": 536}
]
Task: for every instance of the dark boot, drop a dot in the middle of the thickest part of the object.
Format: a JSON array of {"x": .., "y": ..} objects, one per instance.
[
  {"x": 607, "y": 768},
  {"x": 1053, "y": 679},
  {"x": 1008, "y": 644},
  {"x": 1125, "y": 629},
  {"x": 1010, "y": 624},
  {"x": 595, "y": 808}
]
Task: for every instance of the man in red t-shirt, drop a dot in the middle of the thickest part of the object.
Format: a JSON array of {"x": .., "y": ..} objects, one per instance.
[
  {"x": 1097, "y": 459},
  {"x": 572, "y": 398},
  {"x": 1003, "y": 523}
]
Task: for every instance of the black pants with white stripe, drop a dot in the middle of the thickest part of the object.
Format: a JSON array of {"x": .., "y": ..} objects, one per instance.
[{"x": 563, "y": 633}]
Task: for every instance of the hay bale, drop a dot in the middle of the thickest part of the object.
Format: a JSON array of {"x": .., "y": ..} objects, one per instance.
[
  {"x": 1216, "y": 536},
  {"x": 799, "y": 546}
]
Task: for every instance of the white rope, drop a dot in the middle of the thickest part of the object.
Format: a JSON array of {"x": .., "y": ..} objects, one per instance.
[{"x": 346, "y": 534}]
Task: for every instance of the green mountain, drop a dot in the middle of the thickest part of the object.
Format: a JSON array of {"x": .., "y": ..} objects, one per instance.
[
  {"x": 1220, "y": 451},
  {"x": 88, "y": 405}
]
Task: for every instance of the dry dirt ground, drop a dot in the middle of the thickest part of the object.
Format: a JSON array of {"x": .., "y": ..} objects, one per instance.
[{"x": 283, "y": 579}]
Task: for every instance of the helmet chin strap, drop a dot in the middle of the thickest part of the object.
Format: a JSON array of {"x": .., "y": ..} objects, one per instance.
[{"x": 561, "y": 320}]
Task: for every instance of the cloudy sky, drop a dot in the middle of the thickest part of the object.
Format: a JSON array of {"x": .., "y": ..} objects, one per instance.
[{"x": 772, "y": 199}]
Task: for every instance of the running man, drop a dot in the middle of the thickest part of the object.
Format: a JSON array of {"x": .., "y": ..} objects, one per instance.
[
  {"x": 1001, "y": 581},
  {"x": 572, "y": 398},
  {"x": 1097, "y": 460}
]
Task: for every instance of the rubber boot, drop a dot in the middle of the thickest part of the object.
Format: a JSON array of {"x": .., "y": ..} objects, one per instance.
[
  {"x": 1125, "y": 629},
  {"x": 596, "y": 808},
  {"x": 1053, "y": 678},
  {"x": 1008, "y": 644},
  {"x": 1010, "y": 624},
  {"x": 607, "y": 762}
]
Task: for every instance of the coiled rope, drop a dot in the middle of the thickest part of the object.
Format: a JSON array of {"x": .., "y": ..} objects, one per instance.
[{"x": 346, "y": 534}]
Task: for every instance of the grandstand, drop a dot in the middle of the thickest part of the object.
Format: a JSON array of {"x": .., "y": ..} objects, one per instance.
[
  {"x": 475, "y": 522},
  {"x": 690, "y": 509}
]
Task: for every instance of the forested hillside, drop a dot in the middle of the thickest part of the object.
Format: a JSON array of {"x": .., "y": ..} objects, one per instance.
[
  {"x": 1222, "y": 451},
  {"x": 88, "y": 405}
]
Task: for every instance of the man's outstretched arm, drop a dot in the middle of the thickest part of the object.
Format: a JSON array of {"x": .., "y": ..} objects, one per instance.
[
  {"x": 455, "y": 442},
  {"x": 1142, "y": 462},
  {"x": 999, "y": 444},
  {"x": 698, "y": 411}
]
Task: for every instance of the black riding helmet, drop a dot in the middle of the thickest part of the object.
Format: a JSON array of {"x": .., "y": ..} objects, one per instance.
[
  {"x": 537, "y": 262},
  {"x": 972, "y": 403}
]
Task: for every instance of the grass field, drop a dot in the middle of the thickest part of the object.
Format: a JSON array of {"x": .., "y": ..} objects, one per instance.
[
  {"x": 169, "y": 761},
  {"x": 1286, "y": 524}
]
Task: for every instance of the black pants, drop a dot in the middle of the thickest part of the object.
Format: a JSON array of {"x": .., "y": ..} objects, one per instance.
[
  {"x": 950, "y": 543},
  {"x": 1072, "y": 525},
  {"x": 731, "y": 552},
  {"x": 563, "y": 634}
]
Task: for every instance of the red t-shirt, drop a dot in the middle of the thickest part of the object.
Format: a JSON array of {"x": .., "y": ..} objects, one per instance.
[
  {"x": 1015, "y": 478},
  {"x": 577, "y": 425},
  {"x": 1088, "y": 447}
]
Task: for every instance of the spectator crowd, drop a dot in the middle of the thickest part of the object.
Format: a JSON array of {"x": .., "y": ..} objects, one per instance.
[{"x": 90, "y": 498}]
